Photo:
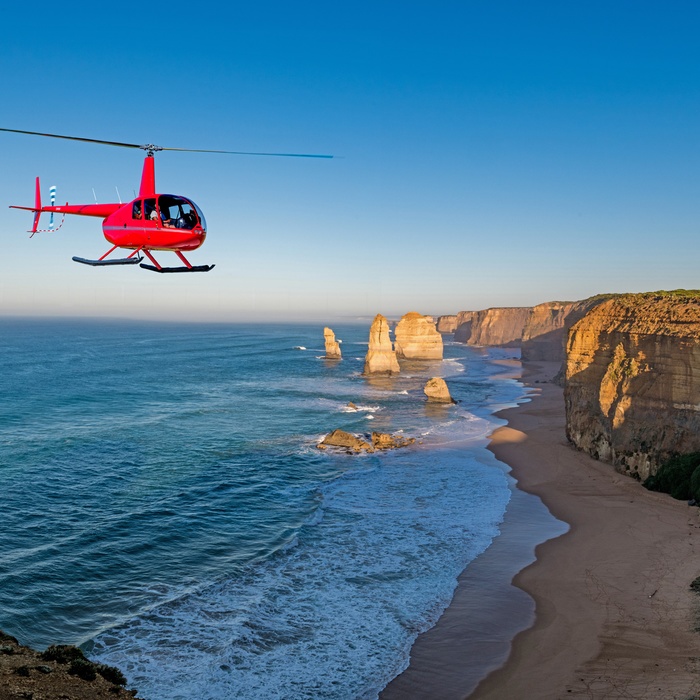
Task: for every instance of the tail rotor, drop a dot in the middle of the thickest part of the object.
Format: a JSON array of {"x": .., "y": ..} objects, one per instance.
[{"x": 52, "y": 197}]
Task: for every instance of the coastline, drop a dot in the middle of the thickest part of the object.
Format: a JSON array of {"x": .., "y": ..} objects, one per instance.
[{"x": 605, "y": 609}]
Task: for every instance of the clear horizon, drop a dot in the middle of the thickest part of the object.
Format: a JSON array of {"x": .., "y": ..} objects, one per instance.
[{"x": 487, "y": 155}]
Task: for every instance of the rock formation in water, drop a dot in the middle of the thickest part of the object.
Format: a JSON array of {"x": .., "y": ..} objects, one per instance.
[
  {"x": 633, "y": 380},
  {"x": 380, "y": 358},
  {"x": 446, "y": 324},
  {"x": 332, "y": 345},
  {"x": 386, "y": 441},
  {"x": 348, "y": 441},
  {"x": 436, "y": 390},
  {"x": 353, "y": 444},
  {"x": 416, "y": 338}
]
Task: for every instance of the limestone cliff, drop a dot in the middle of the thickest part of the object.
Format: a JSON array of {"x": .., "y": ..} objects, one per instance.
[
  {"x": 416, "y": 338},
  {"x": 545, "y": 332},
  {"x": 633, "y": 380},
  {"x": 332, "y": 345},
  {"x": 380, "y": 358},
  {"x": 463, "y": 326},
  {"x": 446, "y": 324},
  {"x": 499, "y": 326}
]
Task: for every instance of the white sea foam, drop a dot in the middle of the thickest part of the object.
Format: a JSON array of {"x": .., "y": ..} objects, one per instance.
[
  {"x": 299, "y": 347},
  {"x": 334, "y": 616}
]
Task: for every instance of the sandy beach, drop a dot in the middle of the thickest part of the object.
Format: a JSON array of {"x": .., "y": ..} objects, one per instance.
[{"x": 605, "y": 610}]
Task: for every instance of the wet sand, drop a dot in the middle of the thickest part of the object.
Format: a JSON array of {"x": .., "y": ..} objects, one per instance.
[{"x": 605, "y": 610}]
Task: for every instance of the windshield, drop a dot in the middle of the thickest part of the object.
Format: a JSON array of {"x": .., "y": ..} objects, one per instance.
[
  {"x": 202, "y": 220},
  {"x": 178, "y": 212}
]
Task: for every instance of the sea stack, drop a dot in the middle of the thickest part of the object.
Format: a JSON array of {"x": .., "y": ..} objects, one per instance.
[
  {"x": 380, "y": 358},
  {"x": 417, "y": 338},
  {"x": 332, "y": 345},
  {"x": 437, "y": 392}
]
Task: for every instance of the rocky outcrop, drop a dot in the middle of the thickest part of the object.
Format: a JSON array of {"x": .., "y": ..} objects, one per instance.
[
  {"x": 332, "y": 345},
  {"x": 353, "y": 444},
  {"x": 347, "y": 441},
  {"x": 436, "y": 390},
  {"x": 416, "y": 338},
  {"x": 380, "y": 358},
  {"x": 633, "y": 380},
  {"x": 446, "y": 324},
  {"x": 386, "y": 441},
  {"x": 499, "y": 326},
  {"x": 61, "y": 671}
]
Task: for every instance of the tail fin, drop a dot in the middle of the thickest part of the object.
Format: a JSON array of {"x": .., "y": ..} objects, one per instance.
[{"x": 36, "y": 208}]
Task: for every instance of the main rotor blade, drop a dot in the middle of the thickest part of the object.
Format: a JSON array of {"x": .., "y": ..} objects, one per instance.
[
  {"x": 248, "y": 153},
  {"x": 151, "y": 147},
  {"x": 75, "y": 138}
]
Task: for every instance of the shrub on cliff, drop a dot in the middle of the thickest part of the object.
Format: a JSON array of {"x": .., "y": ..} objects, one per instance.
[{"x": 679, "y": 477}]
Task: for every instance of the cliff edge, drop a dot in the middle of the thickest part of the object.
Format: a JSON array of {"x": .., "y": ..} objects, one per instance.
[{"x": 632, "y": 390}]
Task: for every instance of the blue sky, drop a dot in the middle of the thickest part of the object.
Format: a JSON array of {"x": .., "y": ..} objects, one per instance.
[{"x": 490, "y": 153}]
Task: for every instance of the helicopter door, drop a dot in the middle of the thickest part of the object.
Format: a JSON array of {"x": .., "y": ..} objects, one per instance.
[
  {"x": 177, "y": 212},
  {"x": 150, "y": 213}
]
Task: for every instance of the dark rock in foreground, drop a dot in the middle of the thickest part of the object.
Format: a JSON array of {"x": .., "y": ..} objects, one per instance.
[{"x": 61, "y": 672}]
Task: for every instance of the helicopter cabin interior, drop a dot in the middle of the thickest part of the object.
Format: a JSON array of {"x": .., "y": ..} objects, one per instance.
[{"x": 171, "y": 211}]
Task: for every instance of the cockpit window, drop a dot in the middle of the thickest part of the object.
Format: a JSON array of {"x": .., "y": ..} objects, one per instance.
[
  {"x": 177, "y": 212},
  {"x": 136, "y": 210}
]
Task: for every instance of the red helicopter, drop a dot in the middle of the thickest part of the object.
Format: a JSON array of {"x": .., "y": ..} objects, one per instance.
[{"x": 151, "y": 222}]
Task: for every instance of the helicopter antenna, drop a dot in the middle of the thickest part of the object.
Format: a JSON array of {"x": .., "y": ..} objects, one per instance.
[
  {"x": 94, "y": 195},
  {"x": 152, "y": 148},
  {"x": 119, "y": 197}
]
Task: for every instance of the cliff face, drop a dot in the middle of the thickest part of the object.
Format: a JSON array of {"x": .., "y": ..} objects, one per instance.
[
  {"x": 499, "y": 326},
  {"x": 463, "y": 326},
  {"x": 546, "y": 330},
  {"x": 416, "y": 338},
  {"x": 446, "y": 324},
  {"x": 633, "y": 380}
]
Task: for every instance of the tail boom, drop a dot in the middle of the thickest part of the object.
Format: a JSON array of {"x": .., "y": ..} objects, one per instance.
[{"x": 100, "y": 210}]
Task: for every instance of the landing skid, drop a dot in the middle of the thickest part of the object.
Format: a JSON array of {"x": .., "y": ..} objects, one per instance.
[
  {"x": 115, "y": 261},
  {"x": 194, "y": 268}
]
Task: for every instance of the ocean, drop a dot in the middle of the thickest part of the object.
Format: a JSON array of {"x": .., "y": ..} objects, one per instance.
[{"x": 165, "y": 506}]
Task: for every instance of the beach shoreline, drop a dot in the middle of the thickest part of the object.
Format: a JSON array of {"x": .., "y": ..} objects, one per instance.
[{"x": 611, "y": 613}]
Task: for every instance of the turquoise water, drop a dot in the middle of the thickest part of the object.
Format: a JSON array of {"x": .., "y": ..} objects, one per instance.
[{"x": 164, "y": 503}]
